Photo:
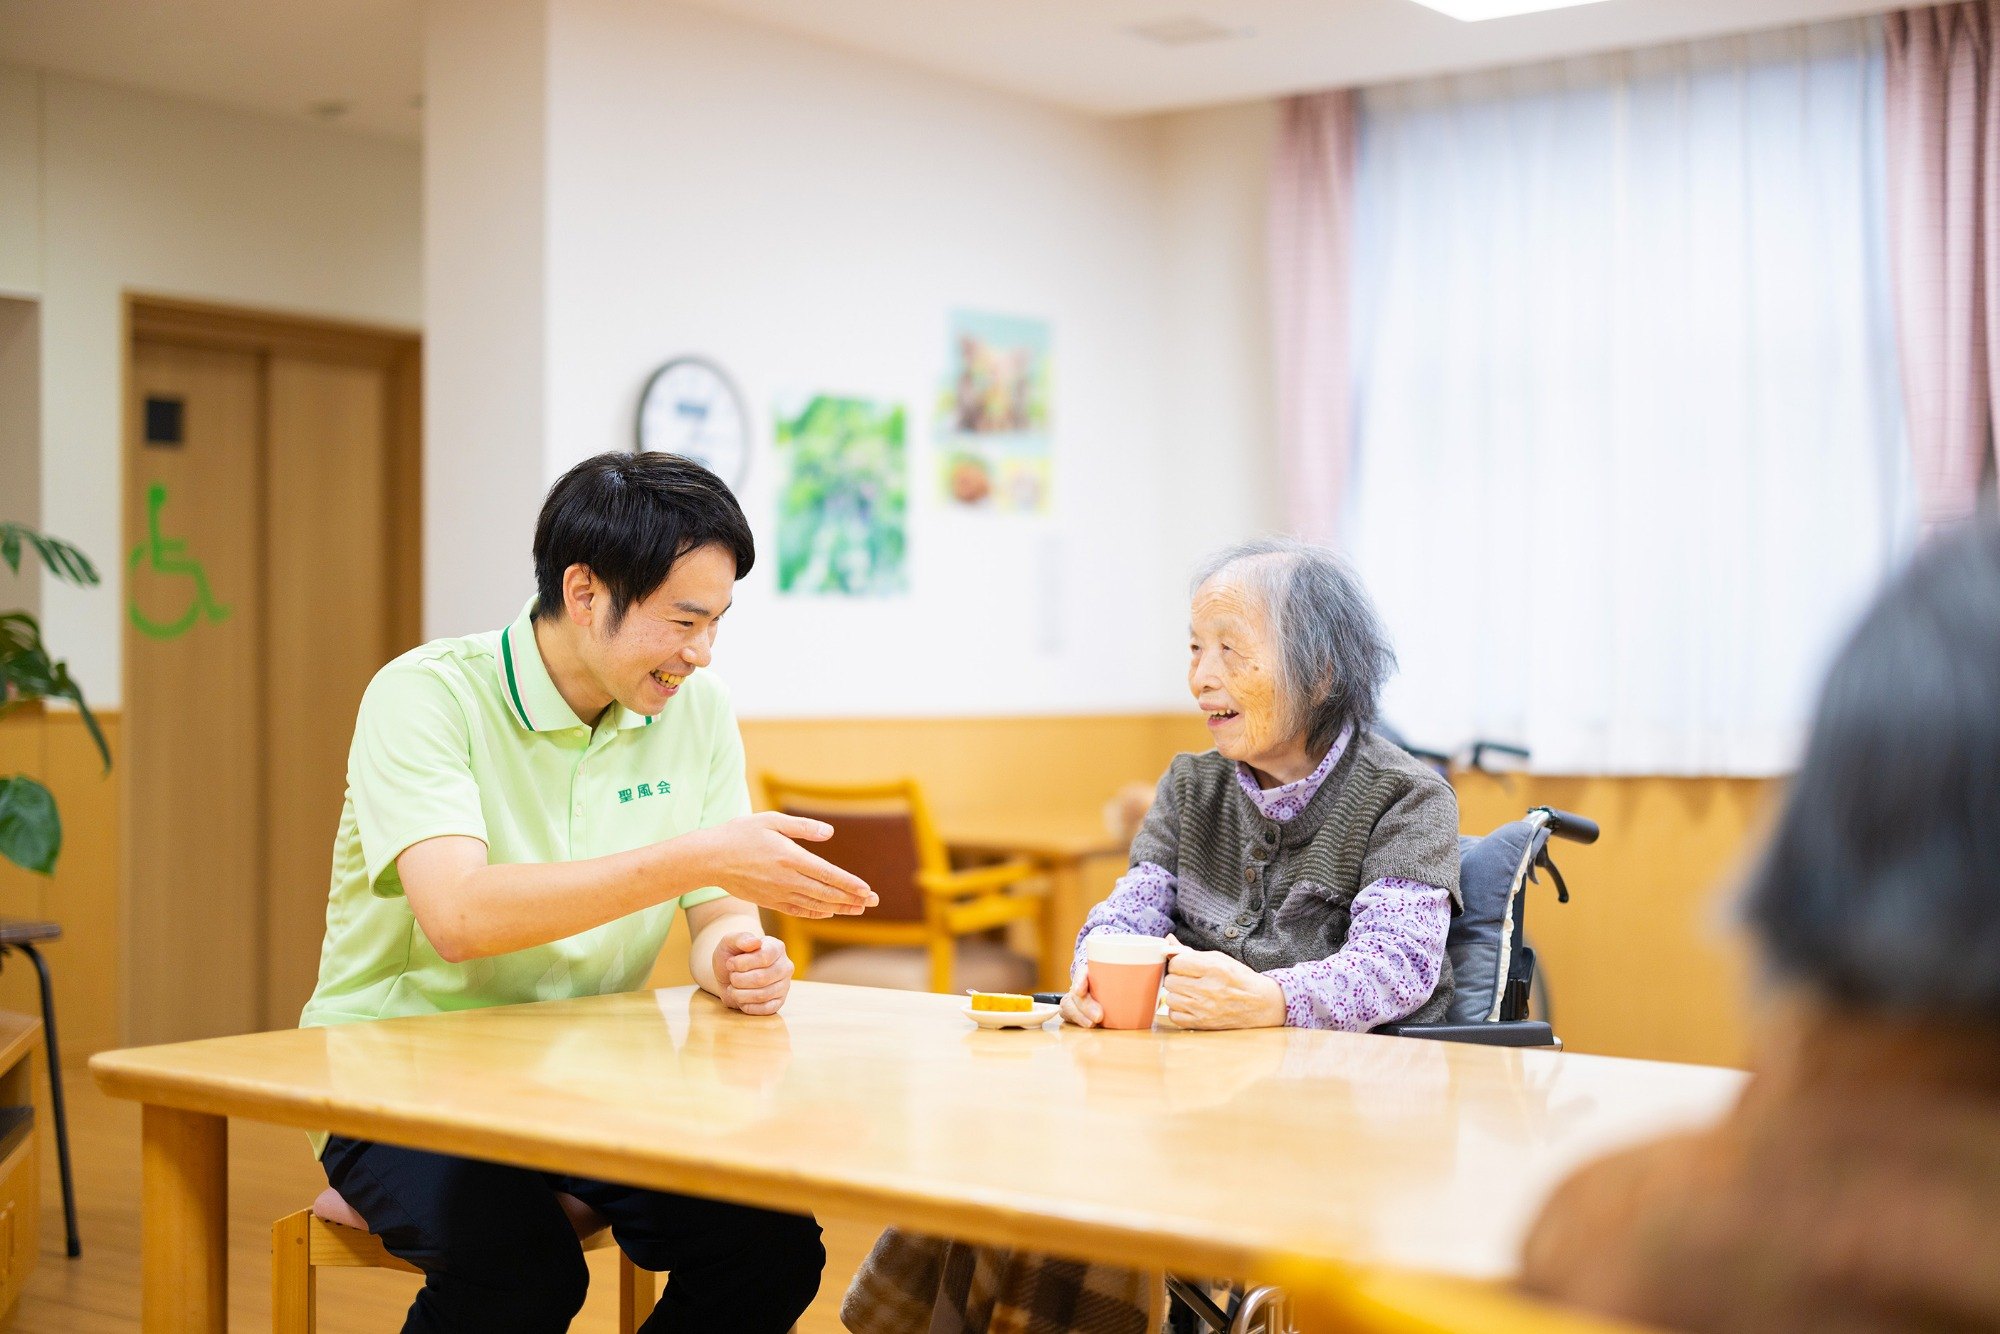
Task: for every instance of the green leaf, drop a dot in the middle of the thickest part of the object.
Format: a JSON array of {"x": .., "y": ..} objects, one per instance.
[
  {"x": 30, "y": 829},
  {"x": 64, "y": 561},
  {"x": 27, "y": 673},
  {"x": 68, "y": 689},
  {"x": 25, "y": 668}
]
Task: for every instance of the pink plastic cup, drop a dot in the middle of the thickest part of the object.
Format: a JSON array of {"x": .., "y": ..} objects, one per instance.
[{"x": 1124, "y": 973}]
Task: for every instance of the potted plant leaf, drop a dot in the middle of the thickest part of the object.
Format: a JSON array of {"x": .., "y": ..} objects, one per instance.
[{"x": 30, "y": 826}]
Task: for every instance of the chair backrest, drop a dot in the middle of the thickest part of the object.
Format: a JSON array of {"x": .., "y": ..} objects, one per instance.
[
  {"x": 1486, "y": 936},
  {"x": 882, "y": 832}
]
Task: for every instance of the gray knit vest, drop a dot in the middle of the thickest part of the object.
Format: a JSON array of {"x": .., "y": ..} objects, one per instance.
[{"x": 1272, "y": 894}]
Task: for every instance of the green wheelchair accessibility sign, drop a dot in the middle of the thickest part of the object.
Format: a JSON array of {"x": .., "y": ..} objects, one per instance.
[{"x": 167, "y": 556}]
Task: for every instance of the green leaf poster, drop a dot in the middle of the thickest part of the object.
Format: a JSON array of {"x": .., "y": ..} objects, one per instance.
[{"x": 843, "y": 498}]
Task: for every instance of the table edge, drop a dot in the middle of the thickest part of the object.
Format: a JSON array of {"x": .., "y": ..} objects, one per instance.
[{"x": 991, "y": 1220}]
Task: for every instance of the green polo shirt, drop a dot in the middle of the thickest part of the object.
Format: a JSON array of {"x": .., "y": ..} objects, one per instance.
[{"x": 470, "y": 736}]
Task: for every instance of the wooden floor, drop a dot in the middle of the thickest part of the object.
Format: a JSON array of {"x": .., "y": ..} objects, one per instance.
[{"x": 271, "y": 1173}]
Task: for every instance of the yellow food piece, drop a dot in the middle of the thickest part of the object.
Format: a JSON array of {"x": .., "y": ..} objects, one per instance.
[{"x": 1001, "y": 1000}]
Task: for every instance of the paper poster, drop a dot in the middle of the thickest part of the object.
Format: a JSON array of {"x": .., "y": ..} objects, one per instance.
[
  {"x": 993, "y": 414},
  {"x": 843, "y": 496}
]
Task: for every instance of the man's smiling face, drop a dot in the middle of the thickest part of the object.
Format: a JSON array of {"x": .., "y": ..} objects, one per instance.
[{"x": 665, "y": 637}]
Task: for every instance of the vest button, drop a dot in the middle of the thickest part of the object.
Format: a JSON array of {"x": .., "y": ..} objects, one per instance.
[
  {"x": 1244, "y": 920},
  {"x": 1231, "y": 934},
  {"x": 1250, "y": 874}
]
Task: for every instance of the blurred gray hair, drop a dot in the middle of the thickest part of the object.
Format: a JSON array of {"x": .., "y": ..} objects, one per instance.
[{"x": 1335, "y": 655}]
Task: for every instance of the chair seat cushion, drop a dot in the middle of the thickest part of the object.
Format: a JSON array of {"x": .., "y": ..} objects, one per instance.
[
  {"x": 331, "y": 1208},
  {"x": 983, "y": 965}
]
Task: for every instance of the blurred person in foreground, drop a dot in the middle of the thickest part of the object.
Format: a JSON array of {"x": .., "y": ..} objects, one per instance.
[
  {"x": 1856, "y": 1186},
  {"x": 1308, "y": 867}
]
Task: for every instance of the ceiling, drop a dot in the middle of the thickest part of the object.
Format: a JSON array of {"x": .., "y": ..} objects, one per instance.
[
  {"x": 281, "y": 56},
  {"x": 358, "y": 63},
  {"x": 1083, "y": 53}
]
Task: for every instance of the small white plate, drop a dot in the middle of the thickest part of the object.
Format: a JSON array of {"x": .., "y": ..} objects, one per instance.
[{"x": 1040, "y": 1014}]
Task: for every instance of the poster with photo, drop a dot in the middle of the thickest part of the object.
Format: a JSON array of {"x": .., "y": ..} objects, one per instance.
[
  {"x": 843, "y": 496},
  {"x": 993, "y": 414}
]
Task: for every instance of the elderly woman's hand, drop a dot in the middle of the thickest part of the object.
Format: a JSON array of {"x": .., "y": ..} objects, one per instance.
[
  {"x": 1079, "y": 1007},
  {"x": 1208, "y": 989}
]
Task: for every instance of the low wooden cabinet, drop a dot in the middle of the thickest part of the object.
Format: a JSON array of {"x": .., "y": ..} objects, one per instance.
[{"x": 20, "y": 1168}]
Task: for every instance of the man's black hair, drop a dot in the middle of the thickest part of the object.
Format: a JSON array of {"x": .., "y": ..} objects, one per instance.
[
  {"x": 629, "y": 517},
  {"x": 1881, "y": 886}
]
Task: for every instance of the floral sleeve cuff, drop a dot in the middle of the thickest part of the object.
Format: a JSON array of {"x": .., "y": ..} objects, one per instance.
[{"x": 1142, "y": 903}]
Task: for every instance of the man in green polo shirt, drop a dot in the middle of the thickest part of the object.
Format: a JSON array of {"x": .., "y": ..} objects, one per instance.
[{"x": 525, "y": 809}]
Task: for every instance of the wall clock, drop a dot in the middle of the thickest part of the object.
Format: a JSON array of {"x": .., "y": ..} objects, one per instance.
[{"x": 691, "y": 407}]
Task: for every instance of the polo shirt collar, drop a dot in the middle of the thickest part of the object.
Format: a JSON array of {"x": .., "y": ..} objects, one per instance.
[
  {"x": 531, "y": 693},
  {"x": 532, "y": 696}
]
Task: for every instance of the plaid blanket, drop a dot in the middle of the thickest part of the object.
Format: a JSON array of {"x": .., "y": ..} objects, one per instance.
[{"x": 913, "y": 1284}]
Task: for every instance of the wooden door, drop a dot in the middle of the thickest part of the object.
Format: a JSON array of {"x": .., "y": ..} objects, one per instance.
[
  {"x": 193, "y": 598},
  {"x": 294, "y": 487},
  {"x": 326, "y": 636}
]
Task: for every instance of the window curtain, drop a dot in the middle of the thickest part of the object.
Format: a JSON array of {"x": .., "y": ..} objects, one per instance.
[
  {"x": 1312, "y": 205},
  {"x": 1628, "y": 446},
  {"x": 1943, "y": 120}
]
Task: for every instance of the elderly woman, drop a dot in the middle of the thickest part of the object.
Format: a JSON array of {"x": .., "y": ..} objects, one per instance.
[
  {"x": 1857, "y": 1184},
  {"x": 1308, "y": 866}
]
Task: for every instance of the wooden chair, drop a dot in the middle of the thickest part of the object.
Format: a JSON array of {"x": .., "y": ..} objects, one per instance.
[
  {"x": 310, "y": 1240},
  {"x": 16, "y": 934},
  {"x": 883, "y": 833},
  {"x": 1329, "y": 1300}
]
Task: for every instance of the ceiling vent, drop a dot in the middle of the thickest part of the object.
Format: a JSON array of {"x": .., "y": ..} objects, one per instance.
[{"x": 1187, "y": 30}]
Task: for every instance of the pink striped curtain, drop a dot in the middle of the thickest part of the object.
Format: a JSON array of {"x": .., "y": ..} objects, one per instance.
[
  {"x": 1312, "y": 210},
  {"x": 1944, "y": 225}
]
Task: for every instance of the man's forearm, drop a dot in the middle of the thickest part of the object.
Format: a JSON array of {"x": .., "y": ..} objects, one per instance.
[
  {"x": 711, "y": 924},
  {"x": 503, "y": 907}
]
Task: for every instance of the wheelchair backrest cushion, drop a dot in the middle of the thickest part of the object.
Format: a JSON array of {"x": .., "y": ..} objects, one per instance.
[{"x": 1479, "y": 941}]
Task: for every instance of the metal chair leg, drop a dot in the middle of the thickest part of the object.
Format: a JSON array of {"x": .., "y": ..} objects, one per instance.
[
  {"x": 1263, "y": 1311},
  {"x": 1191, "y": 1309},
  {"x": 56, "y": 1096}
]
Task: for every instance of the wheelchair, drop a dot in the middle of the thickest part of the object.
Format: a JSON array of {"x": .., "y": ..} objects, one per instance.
[{"x": 1493, "y": 974}]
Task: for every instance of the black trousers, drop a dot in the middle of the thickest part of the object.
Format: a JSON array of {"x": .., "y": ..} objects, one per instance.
[{"x": 500, "y": 1257}]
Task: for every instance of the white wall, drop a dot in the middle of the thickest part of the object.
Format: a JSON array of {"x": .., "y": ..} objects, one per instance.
[
  {"x": 485, "y": 277},
  {"x": 20, "y": 182},
  {"x": 810, "y": 217},
  {"x": 611, "y": 182},
  {"x": 1222, "y": 431},
  {"x": 142, "y": 193},
  {"x": 21, "y": 442}
]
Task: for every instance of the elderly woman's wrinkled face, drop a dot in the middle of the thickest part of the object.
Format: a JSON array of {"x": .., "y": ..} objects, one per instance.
[{"x": 1233, "y": 673}]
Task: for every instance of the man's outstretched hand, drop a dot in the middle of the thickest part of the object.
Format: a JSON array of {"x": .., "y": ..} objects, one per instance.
[{"x": 757, "y": 858}]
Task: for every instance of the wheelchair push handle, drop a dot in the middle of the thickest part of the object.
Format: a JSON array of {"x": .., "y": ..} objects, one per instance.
[{"x": 1575, "y": 828}]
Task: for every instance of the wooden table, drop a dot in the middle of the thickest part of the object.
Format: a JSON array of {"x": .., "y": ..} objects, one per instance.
[
  {"x": 1063, "y": 844},
  {"x": 1198, "y": 1151},
  {"x": 20, "y": 1164}
]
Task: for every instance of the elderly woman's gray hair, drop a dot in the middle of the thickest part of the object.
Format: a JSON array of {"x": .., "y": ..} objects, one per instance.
[{"x": 1335, "y": 655}]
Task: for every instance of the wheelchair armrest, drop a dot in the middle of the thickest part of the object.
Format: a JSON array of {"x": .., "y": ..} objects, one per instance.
[{"x": 1505, "y": 1033}]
